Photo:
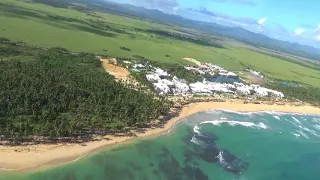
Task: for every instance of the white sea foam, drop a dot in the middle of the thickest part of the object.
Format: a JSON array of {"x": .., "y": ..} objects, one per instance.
[
  {"x": 238, "y": 112},
  {"x": 302, "y": 134},
  {"x": 308, "y": 130},
  {"x": 222, "y": 160},
  {"x": 196, "y": 129},
  {"x": 262, "y": 125},
  {"x": 223, "y": 118},
  {"x": 234, "y": 123},
  {"x": 296, "y": 120},
  {"x": 317, "y": 126},
  {"x": 195, "y": 141},
  {"x": 316, "y": 120},
  {"x": 276, "y": 117},
  {"x": 291, "y": 122},
  {"x": 296, "y": 135},
  {"x": 270, "y": 112}
]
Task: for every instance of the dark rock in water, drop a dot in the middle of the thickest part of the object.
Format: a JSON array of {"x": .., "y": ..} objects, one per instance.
[
  {"x": 151, "y": 164},
  {"x": 204, "y": 147},
  {"x": 199, "y": 175},
  {"x": 99, "y": 160},
  {"x": 231, "y": 163},
  {"x": 70, "y": 176},
  {"x": 195, "y": 164},
  {"x": 284, "y": 175},
  {"x": 168, "y": 165},
  {"x": 135, "y": 166},
  {"x": 207, "y": 138},
  {"x": 186, "y": 138},
  {"x": 145, "y": 148},
  {"x": 210, "y": 154},
  {"x": 194, "y": 173},
  {"x": 188, "y": 156},
  {"x": 113, "y": 172},
  {"x": 156, "y": 172}
]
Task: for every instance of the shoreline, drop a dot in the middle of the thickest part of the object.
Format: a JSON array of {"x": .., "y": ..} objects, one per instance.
[{"x": 33, "y": 158}]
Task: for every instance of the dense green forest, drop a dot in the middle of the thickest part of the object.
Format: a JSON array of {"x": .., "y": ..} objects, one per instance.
[
  {"x": 203, "y": 41},
  {"x": 53, "y": 94},
  {"x": 306, "y": 94}
]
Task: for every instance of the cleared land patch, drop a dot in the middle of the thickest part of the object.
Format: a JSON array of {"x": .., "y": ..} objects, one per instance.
[
  {"x": 110, "y": 65},
  {"x": 198, "y": 63}
]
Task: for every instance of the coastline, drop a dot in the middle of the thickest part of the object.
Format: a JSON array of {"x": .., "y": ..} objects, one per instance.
[{"x": 39, "y": 157}]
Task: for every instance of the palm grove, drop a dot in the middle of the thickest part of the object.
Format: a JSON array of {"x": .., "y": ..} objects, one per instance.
[{"x": 50, "y": 94}]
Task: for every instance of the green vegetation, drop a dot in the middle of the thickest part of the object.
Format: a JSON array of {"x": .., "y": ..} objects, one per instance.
[
  {"x": 80, "y": 29},
  {"x": 179, "y": 36},
  {"x": 49, "y": 94},
  {"x": 180, "y": 72},
  {"x": 274, "y": 68},
  {"x": 305, "y": 94},
  {"x": 58, "y": 94}
]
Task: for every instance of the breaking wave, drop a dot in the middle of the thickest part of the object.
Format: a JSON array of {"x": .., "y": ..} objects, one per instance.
[
  {"x": 296, "y": 120},
  {"x": 196, "y": 129},
  {"x": 317, "y": 126},
  {"x": 260, "y": 125},
  {"x": 309, "y": 130},
  {"x": 296, "y": 135},
  {"x": 277, "y": 113},
  {"x": 300, "y": 132},
  {"x": 222, "y": 160},
  {"x": 276, "y": 117}
]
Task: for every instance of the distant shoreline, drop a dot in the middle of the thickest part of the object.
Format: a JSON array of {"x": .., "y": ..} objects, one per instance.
[{"x": 39, "y": 157}]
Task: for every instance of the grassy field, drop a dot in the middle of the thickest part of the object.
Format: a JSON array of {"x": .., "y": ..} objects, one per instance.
[{"x": 33, "y": 24}]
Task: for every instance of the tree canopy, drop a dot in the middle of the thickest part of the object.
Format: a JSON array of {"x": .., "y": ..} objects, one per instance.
[{"x": 60, "y": 94}]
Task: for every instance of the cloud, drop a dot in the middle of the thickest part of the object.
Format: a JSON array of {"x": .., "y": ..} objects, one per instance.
[
  {"x": 220, "y": 16},
  {"x": 163, "y": 5},
  {"x": 205, "y": 11},
  {"x": 299, "y": 31},
  {"x": 240, "y": 2},
  {"x": 318, "y": 37},
  {"x": 317, "y": 28},
  {"x": 262, "y": 20}
]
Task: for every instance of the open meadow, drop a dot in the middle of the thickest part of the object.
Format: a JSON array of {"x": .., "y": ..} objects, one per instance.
[{"x": 113, "y": 35}]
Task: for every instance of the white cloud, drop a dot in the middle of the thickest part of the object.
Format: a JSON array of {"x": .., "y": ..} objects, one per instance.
[
  {"x": 299, "y": 31},
  {"x": 262, "y": 20},
  {"x": 317, "y": 29},
  {"x": 318, "y": 37}
]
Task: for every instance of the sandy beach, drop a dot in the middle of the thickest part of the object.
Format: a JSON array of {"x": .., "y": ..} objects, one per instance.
[{"x": 37, "y": 157}]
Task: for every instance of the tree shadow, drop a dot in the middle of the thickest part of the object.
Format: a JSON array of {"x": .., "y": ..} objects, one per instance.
[
  {"x": 92, "y": 30},
  {"x": 18, "y": 12},
  {"x": 53, "y": 20},
  {"x": 300, "y": 74}
]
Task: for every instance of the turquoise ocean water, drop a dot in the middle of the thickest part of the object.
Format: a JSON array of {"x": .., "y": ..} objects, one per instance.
[{"x": 215, "y": 145}]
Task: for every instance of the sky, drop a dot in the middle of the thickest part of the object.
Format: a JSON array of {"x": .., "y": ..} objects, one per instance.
[{"x": 290, "y": 20}]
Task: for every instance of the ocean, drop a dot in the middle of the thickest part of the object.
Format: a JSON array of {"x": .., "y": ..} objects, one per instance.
[{"x": 215, "y": 145}]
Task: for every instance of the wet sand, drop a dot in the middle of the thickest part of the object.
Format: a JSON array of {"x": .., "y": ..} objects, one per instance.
[{"x": 38, "y": 157}]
